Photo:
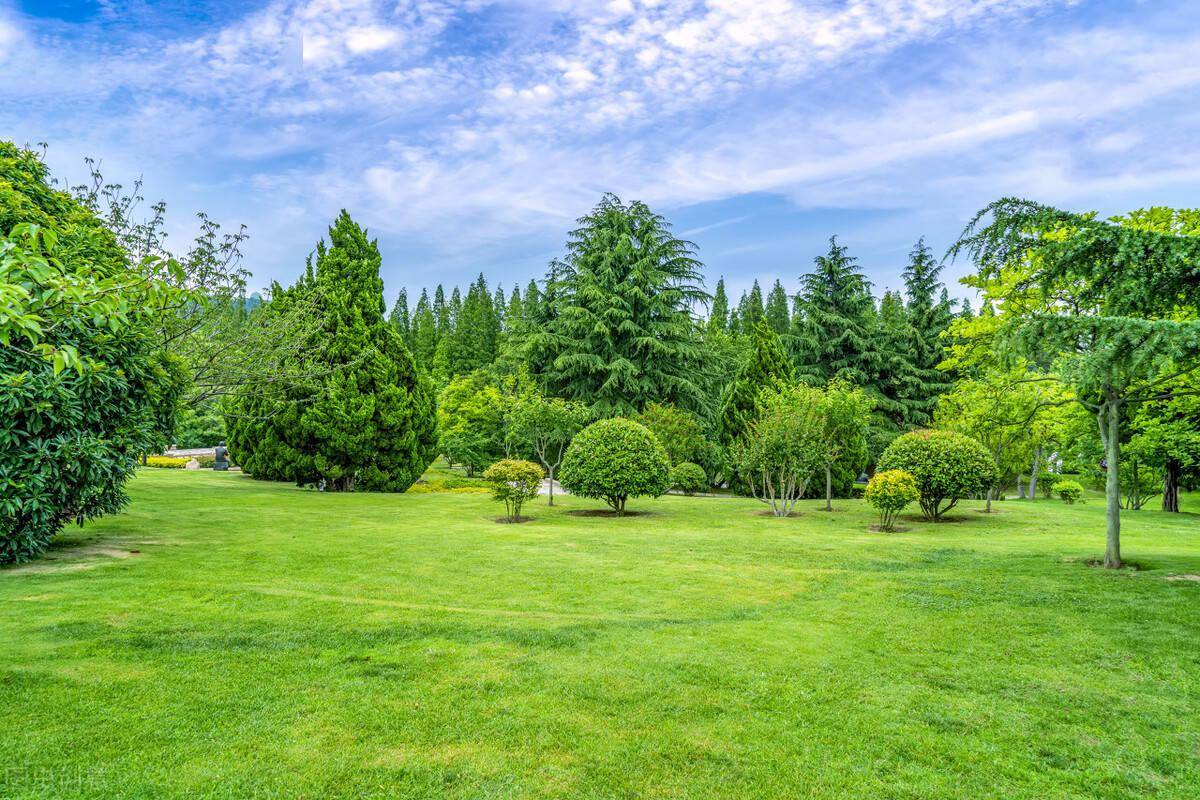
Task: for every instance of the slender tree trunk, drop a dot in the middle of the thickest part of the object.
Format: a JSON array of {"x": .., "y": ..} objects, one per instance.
[
  {"x": 828, "y": 488},
  {"x": 989, "y": 499},
  {"x": 1171, "y": 486},
  {"x": 550, "y": 470},
  {"x": 1110, "y": 432},
  {"x": 1020, "y": 487},
  {"x": 1033, "y": 474}
]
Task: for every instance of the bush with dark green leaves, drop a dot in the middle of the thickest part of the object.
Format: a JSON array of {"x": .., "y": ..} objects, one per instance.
[
  {"x": 889, "y": 492},
  {"x": 947, "y": 467},
  {"x": 513, "y": 482},
  {"x": 689, "y": 478},
  {"x": 1069, "y": 491},
  {"x": 613, "y": 460},
  {"x": 83, "y": 390}
]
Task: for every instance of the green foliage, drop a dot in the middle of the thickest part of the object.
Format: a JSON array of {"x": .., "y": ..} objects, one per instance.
[
  {"x": 471, "y": 422},
  {"x": 621, "y": 332},
  {"x": 358, "y": 414},
  {"x": 199, "y": 427},
  {"x": 689, "y": 478},
  {"x": 684, "y": 436},
  {"x": 947, "y": 466},
  {"x": 889, "y": 492},
  {"x": 1068, "y": 491},
  {"x": 929, "y": 313},
  {"x": 83, "y": 390},
  {"x": 615, "y": 459},
  {"x": 845, "y": 415},
  {"x": 718, "y": 316},
  {"x": 545, "y": 426},
  {"x": 835, "y": 335},
  {"x": 780, "y": 450},
  {"x": 513, "y": 482},
  {"x": 766, "y": 366}
]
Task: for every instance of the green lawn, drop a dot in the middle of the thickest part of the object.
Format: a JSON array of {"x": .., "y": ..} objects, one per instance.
[{"x": 229, "y": 638}]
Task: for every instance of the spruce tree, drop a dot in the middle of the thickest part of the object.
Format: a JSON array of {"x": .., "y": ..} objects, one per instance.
[
  {"x": 424, "y": 333},
  {"x": 623, "y": 333},
  {"x": 441, "y": 315},
  {"x": 778, "y": 310},
  {"x": 750, "y": 309}
]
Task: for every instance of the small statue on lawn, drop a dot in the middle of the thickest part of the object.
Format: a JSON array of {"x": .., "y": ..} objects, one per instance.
[{"x": 220, "y": 459}]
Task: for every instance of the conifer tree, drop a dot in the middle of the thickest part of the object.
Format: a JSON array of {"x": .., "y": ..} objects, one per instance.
[
  {"x": 767, "y": 365},
  {"x": 836, "y": 334},
  {"x": 929, "y": 314},
  {"x": 424, "y": 333},
  {"x": 400, "y": 319},
  {"x": 369, "y": 421},
  {"x": 623, "y": 332},
  {"x": 718, "y": 317},
  {"x": 778, "y": 310},
  {"x": 750, "y": 309},
  {"x": 441, "y": 315}
]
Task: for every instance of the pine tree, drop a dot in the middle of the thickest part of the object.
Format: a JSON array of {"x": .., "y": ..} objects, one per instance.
[
  {"x": 499, "y": 307},
  {"x": 898, "y": 381},
  {"x": 623, "y": 333},
  {"x": 441, "y": 314},
  {"x": 778, "y": 311},
  {"x": 750, "y": 309},
  {"x": 835, "y": 337},
  {"x": 718, "y": 318}
]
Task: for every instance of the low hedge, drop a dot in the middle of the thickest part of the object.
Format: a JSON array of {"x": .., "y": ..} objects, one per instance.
[{"x": 166, "y": 462}]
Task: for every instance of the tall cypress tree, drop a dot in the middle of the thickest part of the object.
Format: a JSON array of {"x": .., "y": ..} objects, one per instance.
[
  {"x": 623, "y": 333},
  {"x": 424, "y": 333},
  {"x": 400, "y": 319},
  {"x": 718, "y": 317},
  {"x": 441, "y": 315},
  {"x": 837, "y": 328},
  {"x": 370, "y": 423},
  {"x": 778, "y": 310},
  {"x": 750, "y": 309}
]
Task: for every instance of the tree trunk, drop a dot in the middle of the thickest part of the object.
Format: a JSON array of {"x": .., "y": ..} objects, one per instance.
[
  {"x": 1037, "y": 464},
  {"x": 1171, "y": 486},
  {"x": 989, "y": 499},
  {"x": 828, "y": 488},
  {"x": 550, "y": 470},
  {"x": 1110, "y": 433}
]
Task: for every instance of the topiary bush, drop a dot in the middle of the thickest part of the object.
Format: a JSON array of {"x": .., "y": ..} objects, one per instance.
[
  {"x": 947, "y": 467},
  {"x": 514, "y": 481},
  {"x": 613, "y": 460},
  {"x": 889, "y": 492},
  {"x": 1069, "y": 491},
  {"x": 689, "y": 478}
]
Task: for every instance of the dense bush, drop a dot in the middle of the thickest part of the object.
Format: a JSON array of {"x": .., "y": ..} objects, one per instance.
[
  {"x": 1069, "y": 491},
  {"x": 166, "y": 462},
  {"x": 682, "y": 435},
  {"x": 889, "y": 492},
  {"x": 83, "y": 390},
  {"x": 689, "y": 478},
  {"x": 613, "y": 460},
  {"x": 780, "y": 449},
  {"x": 471, "y": 422},
  {"x": 947, "y": 467},
  {"x": 513, "y": 481}
]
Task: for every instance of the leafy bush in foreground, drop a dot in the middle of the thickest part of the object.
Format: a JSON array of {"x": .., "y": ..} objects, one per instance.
[
  {"x": 613, "y": 460},
  {"x": 514, "y": 481},
  {"x": 889, "y": 492},
  {"x": 689, "y": 478},
  {"x": 947, "y": 467},
  {"x": 1069, "y": 491}
]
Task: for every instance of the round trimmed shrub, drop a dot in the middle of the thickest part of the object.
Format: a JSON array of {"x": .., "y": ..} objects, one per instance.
[
  {"x": 613, "y": 460},
  {"x": 514, "y": 481},
  {"x": 689, "y": 478},
  {"x": 1069, "y": 491},
  {"x": 947, "y": 467},
  {"x": 889, "y": 492}
]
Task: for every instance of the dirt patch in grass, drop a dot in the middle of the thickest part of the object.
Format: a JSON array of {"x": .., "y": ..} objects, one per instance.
[
  {"x": 895, "y": 529},
  {"x": 79, "y": 557},
  {"x": 605, "y": 512},
  {"x": 1193, "y": 578},
  {"x": 1126, "y": 566},
  {"x": 510, "y": 521},
  {"x": 793, "y": 515}
]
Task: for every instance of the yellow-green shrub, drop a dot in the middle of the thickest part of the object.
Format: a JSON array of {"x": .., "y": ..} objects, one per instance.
[
  {"x": 166, "y": 462},
  {"x": 889, "y": 492}
]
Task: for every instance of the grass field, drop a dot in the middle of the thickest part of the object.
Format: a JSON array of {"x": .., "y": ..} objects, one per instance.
[{"x": 229, "y": 638}]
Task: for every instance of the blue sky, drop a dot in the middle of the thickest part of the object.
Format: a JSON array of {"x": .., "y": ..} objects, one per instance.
[{"x": 469, "y": 135}]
